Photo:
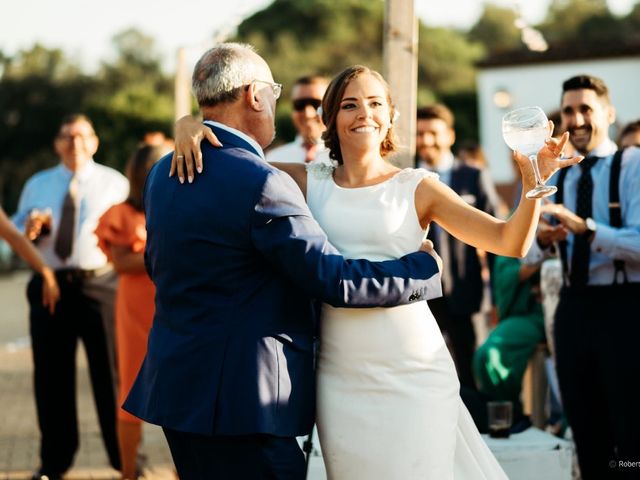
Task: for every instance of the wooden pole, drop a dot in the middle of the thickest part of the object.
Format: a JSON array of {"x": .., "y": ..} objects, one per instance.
[
  {"x": 182, "y": 90},
  {"x": 400, "y": 60}
]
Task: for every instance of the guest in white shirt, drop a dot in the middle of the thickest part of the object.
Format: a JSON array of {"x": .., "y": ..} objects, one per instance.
[
  {"x": 71, "y": 197},
  {"x": 306, "y": 97}
]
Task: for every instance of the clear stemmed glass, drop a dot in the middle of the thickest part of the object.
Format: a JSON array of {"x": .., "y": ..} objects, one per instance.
[{"x": 526, "y": 130}]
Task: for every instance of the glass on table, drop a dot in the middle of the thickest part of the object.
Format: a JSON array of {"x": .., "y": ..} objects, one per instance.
[{"x": 500, "y": 417}]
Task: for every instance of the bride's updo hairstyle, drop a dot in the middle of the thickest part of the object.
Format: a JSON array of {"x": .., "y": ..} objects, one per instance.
[{"x": 331, "y": 107}]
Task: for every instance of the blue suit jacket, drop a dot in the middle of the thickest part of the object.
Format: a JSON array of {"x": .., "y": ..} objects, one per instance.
[{"x": 236, "y": 258}]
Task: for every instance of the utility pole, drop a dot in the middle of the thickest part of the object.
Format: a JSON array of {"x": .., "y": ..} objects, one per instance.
[
  {"x": 400, "y": 60},
  {"x": 182, "y": 90}
]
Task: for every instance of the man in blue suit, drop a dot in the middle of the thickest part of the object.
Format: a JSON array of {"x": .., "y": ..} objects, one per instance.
[{"x": 236, "y": 259}]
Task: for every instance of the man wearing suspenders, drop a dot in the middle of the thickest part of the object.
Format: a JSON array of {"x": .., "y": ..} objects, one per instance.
[{"x": 597, "y": 322}]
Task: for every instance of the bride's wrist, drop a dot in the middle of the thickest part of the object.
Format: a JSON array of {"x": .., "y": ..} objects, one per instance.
[{"x": 528, "y": 180}]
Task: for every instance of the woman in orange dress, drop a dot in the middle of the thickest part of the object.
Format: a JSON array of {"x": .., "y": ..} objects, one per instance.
[{"x": 122, "y": 235}]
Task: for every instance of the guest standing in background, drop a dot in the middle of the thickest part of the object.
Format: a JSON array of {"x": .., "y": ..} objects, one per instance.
[
  {"x": 463, "y": 285},
  {"x": 630, "y": 135},
  {"x": 596, "y": 329},
  {"x": 77, "y": 191},
  {"x": 306, "y": 97},
  {"x": 122, "y": 236}
]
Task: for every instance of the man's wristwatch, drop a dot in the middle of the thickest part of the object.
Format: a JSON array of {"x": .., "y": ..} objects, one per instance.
[{"x": 591, "y": 227}]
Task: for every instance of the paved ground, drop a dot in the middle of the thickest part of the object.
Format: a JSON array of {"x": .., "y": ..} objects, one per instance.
[{"x": 18, "y": 426}]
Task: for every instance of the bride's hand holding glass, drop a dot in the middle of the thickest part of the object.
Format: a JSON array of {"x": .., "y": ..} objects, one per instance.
[
  {"x": 527, "y": 130},
  {"x": 549, "y": 160}
]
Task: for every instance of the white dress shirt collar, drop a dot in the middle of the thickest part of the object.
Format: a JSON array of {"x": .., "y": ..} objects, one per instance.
[
  {"x": 240, "y": 134},
  {"x": 445, "y": 164},
  {"x": 605, "y": 149},
  {"x": 84, "y": 173}
]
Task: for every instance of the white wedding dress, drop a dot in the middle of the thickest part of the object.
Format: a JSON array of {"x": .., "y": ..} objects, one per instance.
[{"x": 388, "y": 395}]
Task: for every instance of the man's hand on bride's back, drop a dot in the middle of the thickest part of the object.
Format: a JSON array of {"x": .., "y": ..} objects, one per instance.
[
  {"x": 427, "y": 246},
  {"x": 187, "y": 157}
]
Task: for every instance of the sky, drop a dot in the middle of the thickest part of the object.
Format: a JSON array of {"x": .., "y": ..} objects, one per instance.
[{"x": 83, "y": 29}]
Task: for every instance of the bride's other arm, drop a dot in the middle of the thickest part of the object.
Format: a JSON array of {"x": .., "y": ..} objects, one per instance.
[
  {"x": 437, "y": 202},
  {"x": 190, "y": 132}
]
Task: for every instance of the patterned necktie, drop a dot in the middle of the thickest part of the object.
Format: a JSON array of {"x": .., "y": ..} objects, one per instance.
[
  {"x": 581, "y": 246},
  {"x": 64, "y": 239},
  {"x": 310, "y": 152}
]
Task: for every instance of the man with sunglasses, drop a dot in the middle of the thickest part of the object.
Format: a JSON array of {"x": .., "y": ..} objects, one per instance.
[{"x": 306, "y": 97}]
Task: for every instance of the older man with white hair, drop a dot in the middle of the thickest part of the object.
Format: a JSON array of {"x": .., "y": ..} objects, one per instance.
[{"x": 236, "y": 258}]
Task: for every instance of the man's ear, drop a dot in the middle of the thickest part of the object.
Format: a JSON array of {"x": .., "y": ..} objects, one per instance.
[
  {"x": 452, "y": 136},
  {"x": 252, "y": 98},
  {"x": 611, "y": 114},
  {"x": 57, "y": 147}
]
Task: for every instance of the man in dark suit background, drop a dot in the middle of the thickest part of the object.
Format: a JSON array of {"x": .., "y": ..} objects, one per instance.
[
  {"x": 463, "y": 285},
  {"x": 235, "y": 259}
]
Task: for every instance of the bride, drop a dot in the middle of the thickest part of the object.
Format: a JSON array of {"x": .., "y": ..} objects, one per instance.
[{"x": 388, "y": 404}]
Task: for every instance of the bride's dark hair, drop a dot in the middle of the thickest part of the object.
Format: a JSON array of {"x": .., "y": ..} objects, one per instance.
[{"x": 331, "y": 107}]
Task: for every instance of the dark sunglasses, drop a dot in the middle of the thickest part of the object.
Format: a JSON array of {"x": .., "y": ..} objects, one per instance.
[{"x": 302, "y": 103}]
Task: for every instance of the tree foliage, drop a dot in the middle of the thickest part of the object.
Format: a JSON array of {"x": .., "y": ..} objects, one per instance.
[
  {"x": 299, "y": 37},
  {"x": 496, "y": 29},
  {"x": 565, "y": 18},
  {"x": 39, "y": 86}
]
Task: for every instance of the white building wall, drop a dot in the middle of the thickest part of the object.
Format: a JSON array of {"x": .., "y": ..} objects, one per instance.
[{"x": 540, "y": 84}]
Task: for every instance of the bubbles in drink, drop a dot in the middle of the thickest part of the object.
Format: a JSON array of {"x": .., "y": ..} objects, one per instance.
[{"x": 527, "y": 142}]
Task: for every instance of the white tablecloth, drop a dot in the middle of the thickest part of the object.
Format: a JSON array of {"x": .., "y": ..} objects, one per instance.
[
  {"x": 533, "y": 455},
  {"x": 530, "y": 455}
]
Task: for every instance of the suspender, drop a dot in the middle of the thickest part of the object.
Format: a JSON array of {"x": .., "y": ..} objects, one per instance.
[
  {"x": 615, "y": 215},
  {"x": 615, "y": 212},
  {"x": 563, "y": 244}
]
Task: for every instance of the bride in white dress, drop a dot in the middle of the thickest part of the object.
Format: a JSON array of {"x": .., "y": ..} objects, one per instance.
[{"x": 388, "y": 395}]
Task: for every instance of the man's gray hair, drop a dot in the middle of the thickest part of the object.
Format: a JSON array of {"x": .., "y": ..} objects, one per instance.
[{"x": 222, "y": 71}]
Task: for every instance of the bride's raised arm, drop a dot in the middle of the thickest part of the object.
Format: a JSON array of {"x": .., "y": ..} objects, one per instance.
[
  {"x": 187, "y": 157},
  {"x": 437, "y": 202}
]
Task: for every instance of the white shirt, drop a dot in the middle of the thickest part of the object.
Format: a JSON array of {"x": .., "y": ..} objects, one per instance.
[
  {"x": 99, "y": 188},
  {"x": 295, "y": 152}
]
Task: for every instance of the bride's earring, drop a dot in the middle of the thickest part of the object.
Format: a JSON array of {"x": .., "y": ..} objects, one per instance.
[
  {"x": 396, "y": 116},
  {"x": 393, "y": 120}
]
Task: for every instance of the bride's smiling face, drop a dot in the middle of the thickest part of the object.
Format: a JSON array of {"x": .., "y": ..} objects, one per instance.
[{"x": 364, "y": 115}]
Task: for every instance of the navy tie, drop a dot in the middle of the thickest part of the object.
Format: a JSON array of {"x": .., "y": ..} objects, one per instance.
[{"x": 581, "y": 246}]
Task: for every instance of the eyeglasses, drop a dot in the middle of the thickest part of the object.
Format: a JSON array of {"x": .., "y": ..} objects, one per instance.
[
  {"x": 299, "y": 104},
  {"x": 276, "y": 87},
  {"x": 71, "y": 138}
]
